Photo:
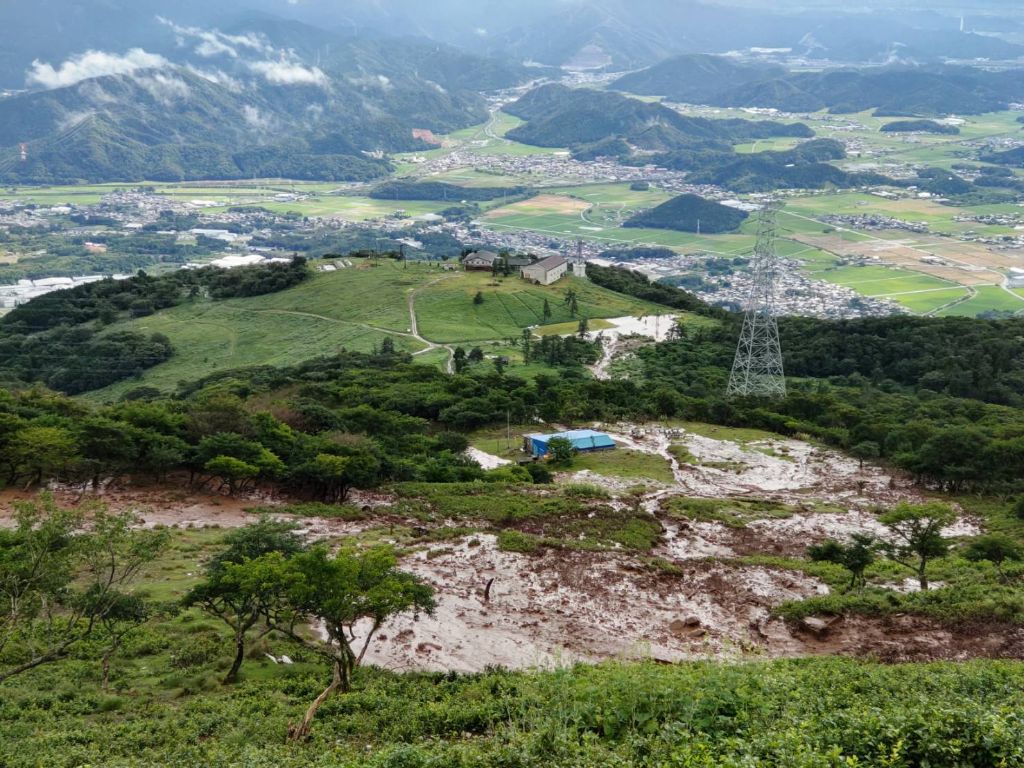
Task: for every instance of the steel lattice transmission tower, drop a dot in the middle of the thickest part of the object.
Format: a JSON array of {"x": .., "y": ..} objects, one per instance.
[{"x": 757, "y": 368}]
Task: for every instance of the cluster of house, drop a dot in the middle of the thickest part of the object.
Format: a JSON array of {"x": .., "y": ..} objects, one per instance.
[{"x": 543, "y": 271}]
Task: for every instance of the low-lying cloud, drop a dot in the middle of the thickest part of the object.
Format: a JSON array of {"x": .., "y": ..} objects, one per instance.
[
  {"x": 289, "y": 73},
  {"x": 213, "y": 42},
  {"x": 85, "y": 66}
]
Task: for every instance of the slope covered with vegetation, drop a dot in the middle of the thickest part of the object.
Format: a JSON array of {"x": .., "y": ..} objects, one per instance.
[
  {"x": 327, "y": 120},
  {"x": 690, "y": 213},
  {"x": 558, "y": 116},
  {"x": 889, "y": 90}
]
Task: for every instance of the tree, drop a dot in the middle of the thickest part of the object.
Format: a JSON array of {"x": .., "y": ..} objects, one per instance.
[
  {"x": 459, "y": 359},
  {"x": 527, "y": 344},
  {"x": 127, "y": 613},
  {"x": 571, "y": 300},
  {"x": 865, "y": 451},
  {"x": 40, "y": 453},
  {"x": 1018, "y": 508},
  {"x": 225, "y": 598},
  {"x": 560, "y": 451},
  {"x": 478, "y": 298},
  {"x": 546, "y": 312},
  {"x": 583, "y": 329},
  {"x": 106, "y": 446},
  {"x": 331, "y": 477},
  {"x": 997, "y": 548},
  {"x": 234, "y": 474},
  {"x": 476, "y": 355},
  {"x": 387, "y": 346},
  {"x": 63, "y": 573},
  {"x": 338, "y": 591},
  {"x": 499, "y": 365},
  {"x": 917, "y": 530},
  {"x": 854, "y": 557}
]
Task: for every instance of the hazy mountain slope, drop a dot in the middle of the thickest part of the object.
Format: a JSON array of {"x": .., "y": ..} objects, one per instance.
[
  {"x": 246, "y": 102},
  {"x": 723, "y": 82},
  {"x": 563, "y": 117}
]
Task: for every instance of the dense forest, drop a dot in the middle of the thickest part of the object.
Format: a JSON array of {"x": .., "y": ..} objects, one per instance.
[
  {"x": 690, "y": 213},
  {"x": 919, "y": 126},
  {"x": 439, "y": 190}
]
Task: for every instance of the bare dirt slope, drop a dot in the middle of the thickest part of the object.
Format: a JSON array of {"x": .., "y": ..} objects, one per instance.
[{"x": 693, "y": 596}]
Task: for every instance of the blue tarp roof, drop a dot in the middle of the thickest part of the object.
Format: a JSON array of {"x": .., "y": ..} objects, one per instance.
[{"x": 582, "y": 440}]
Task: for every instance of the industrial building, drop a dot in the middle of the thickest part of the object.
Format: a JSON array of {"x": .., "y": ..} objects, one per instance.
[
  {"x": 546, "y": 271},
  {"x": 582, "y": 440}
]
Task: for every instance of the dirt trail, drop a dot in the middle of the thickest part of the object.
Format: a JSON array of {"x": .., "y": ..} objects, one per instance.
[{"x": 414, "y": 328}]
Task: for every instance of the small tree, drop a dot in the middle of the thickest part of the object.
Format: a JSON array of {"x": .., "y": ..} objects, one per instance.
[
  {"x": 238, "y": 604},
  {"x": 476, "y": 355},
  {"x": 546, "y": 312},
  {"x": 387, "y": 346},
  {"x": 339, "y": 592},
  {"x": 478, "y": 298},
  {"x": 62, "y": 574},
  {"x": 866, "y": 451},
  {"x": 917, "y": 530},
  {"x": 854, "y": 557},
  {"x": 459, "y": 359},
  {"x": 560, "y": 451},
  {"x": 234, "y": 474},
  {"x": 127, "y": 613},
  {"x": 572, "y": 301},
  {"x": 583, "y": 328},
  {"x": 1018, "y": 508},
  {"x": 527, "y": 344},
  {"x": 997, "y": 548}
]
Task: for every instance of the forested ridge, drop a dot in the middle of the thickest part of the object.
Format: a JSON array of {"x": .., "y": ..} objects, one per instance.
[{"x": 59, "y": 339}]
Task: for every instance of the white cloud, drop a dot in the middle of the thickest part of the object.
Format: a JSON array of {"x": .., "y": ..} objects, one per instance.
[
  {"x": 289, "y": 73},
  {"x": 213, "y": 42},
  {"x": 90, "y": 64},
  {"x": 217, "y": 76},
  {"x": 255, "y": 119},
  {"x": 164, "y": 89}
]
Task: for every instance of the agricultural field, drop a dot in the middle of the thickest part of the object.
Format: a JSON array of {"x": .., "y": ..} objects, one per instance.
[
  {"x": 595, "y": 213},
  {"x": 987, "y": 298}
]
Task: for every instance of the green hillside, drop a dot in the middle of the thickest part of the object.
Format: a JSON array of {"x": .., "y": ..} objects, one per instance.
[
  {"x": 356, "y": 309},
  {"x": 690, "y": 213}
]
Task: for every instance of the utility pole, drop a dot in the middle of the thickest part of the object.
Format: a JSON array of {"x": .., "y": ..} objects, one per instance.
[{"x": 757, "y": 368}]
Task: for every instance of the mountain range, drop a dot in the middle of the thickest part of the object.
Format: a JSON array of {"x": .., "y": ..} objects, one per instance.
[
  {"x": 269, "y": 99},
  {"x": 892, "y": 90}
]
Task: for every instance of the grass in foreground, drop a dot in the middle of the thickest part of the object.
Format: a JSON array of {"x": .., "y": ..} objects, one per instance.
[{"x": 801, "y": 714}]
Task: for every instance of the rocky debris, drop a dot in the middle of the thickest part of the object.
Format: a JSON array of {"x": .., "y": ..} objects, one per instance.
[{"x": 819, "y": 626}]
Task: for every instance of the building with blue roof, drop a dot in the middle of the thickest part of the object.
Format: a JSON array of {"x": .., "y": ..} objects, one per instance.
[{"x": 582, "y": 440}]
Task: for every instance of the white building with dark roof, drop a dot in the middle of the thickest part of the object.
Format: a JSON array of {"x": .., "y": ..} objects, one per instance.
[{"x": 546, "y": 271}]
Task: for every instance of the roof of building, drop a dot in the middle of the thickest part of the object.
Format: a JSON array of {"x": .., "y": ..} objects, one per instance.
[
  {"x": 551, "y": 262},
  {"x": 576, "y": 436},
  {"x": 489, "y": 256}
]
